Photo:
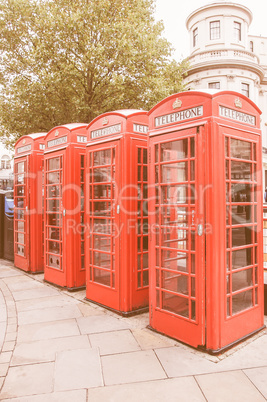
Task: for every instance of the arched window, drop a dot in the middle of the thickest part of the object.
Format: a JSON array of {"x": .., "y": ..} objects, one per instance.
[{"x": 5, "y": 162}]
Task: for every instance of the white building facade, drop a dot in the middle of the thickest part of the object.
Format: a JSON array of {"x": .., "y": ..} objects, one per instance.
[
  {"x": 223, "y": 55},
  {"x": 6, "y": 167}
]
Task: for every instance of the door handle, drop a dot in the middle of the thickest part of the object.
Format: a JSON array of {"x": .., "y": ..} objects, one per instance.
[
  {"x": 118, "y": 209},
  {"x": 200, "y": 230},
  {"x": 64, "y": 212}
]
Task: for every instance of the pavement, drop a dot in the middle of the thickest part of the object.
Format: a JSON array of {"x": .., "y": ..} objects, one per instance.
[{"x": 57, "y": 347}]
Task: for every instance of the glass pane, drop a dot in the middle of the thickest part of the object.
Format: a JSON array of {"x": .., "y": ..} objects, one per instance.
[
  {"x": 102, "y": 260},
  {"x": 241, "y": 258},
  {"x": 103, "y": 226},
  {"x": 54, "y": 247},
  {"x": 102, "y": 243},
  {"x": 102, "y": 157},
  {"x": 54, "y": 220},
  {"x": 54, "y": 233},
  {"x": 226, "y": 146},
  {"x": 174, "y": 172},
  {"x": 54, "y": 164},
  {"x": 241, "y": 279},
  {"x": 20, "y": 249},
  {"x": 241, "y": 214},
  {"x": 241, "y": 171},
  {"x": 102, "y": 191},
  {"x": 145, "y": 278},
  {"x": 102, "y": 208},
  {"x": 175, "y": 260},
  {"x": 53, "y": 205},
  {"x": 240, "y": 149},
  {"x": 174, "y": 150},
  {"x": 174, "y": 194},
  {"x": 241, "y": 192},
  {"x": 53, "y": 177},
  {"x": 192, "y": 147},
  {"x": 175, "y": 304},
  {"x": 102, "y": 175},
  {"x": 53, "y": 261},
  {"x": 242, "y": 301},
  {"x": 241, "y": 236},
  {"x": 102, "y": 277},
  {"x": 20, "y": 238},
  {"x": 175, "y": 282},
  {"x": 54, "y": 191}
]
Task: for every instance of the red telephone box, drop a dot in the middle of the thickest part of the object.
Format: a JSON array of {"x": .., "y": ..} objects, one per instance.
[
  {"x": 116, "y": 211},
  {"x": 64, "y": 166},
  {"x": 205, "y": 209},
  {"x": 28, "y": 203}
]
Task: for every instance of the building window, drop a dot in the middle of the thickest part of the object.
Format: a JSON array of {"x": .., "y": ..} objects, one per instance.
[
  {"x": 237, "y": 31},
  {"x": 215, "y": 30},
  {"x": 195, "y": 37},
  {"x": 251, "y": 46},
  {"x": 5, "y": 162},
  {"x": 245, "y": 89},
  {"x": 214, "y": 85}
]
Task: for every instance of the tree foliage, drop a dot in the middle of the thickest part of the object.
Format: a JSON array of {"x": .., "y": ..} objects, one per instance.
[{"x": 68, "y": 61}]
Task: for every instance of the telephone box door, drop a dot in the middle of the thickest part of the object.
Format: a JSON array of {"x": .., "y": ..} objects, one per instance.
[
  {"x": 21, "y": 217},
  {"x": 102, "y": 233},
  {"x": 177, "y": 275},
  {"x": 54, "y": 215}
]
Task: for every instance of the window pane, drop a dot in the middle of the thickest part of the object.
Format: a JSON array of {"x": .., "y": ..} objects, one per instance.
[
  {"x": 241, "y": 149},
  {"x": 175, "y": 304},
  {"x": 215, "y": 30},
  {"x": 172, "y": 151}
]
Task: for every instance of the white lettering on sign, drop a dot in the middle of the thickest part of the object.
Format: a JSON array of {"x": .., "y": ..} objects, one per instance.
[
  {"x": 106, "y": 131},
  {"x": 236, "y": 115},
  {"x": 24, "y": 149},
  {"x": 57, "y": 141},
  {"x": 81, "y": 138},
  {"x": 179, "y": 116},
  {"x": 140, "y": 128}
]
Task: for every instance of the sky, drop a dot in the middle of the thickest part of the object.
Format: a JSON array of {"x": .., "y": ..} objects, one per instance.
[{"x": 173, "y": 13}]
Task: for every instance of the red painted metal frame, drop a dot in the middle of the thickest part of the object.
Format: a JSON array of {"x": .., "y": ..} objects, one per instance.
[
  {"x": 219, "y": 329},
  {"x": 64, "y": 161},
  {"x": 126, "y": 131},
  {"x": 29, "y": 151}
]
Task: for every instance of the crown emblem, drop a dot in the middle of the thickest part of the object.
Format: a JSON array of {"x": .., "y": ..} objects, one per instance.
[
  {"x": 177, "y": 103},
  {"x": 56, "y": 133},
  {"x": 105, "y": 121},
  {"x": 238, "y": 103},
  {"x": 23, "y": 142}
]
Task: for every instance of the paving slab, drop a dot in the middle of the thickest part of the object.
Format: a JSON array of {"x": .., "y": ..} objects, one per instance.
[
  {"x": 88, "y": 309},
  {"x": 150, "y": 340},
  {"x": 49, "y": 314},
  {"x": 182, "y": 361},
  {"x": 131, "y": 367},
  {"x": 76, "y": 369},
  {"x": 253, "y": 354},
  {"x": 45, "y": 302},
  {"x": 68, "y": 396},
  {"x": 28, "y": 380},
  {"x": 171, "y": 390},
  {"x": 231, "y": 386},
  {"x": 100, "y": 323},
  {"x": 45, "y": 350},
  {"x": 21, "y": 282},
  {"x": 43, "y": 291},
  {"x": 258, "y": 376},
  {"x": 7, "y": 271},
  {"x": 114, "y": 342},
  {"x": 47, "y": 330}
]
